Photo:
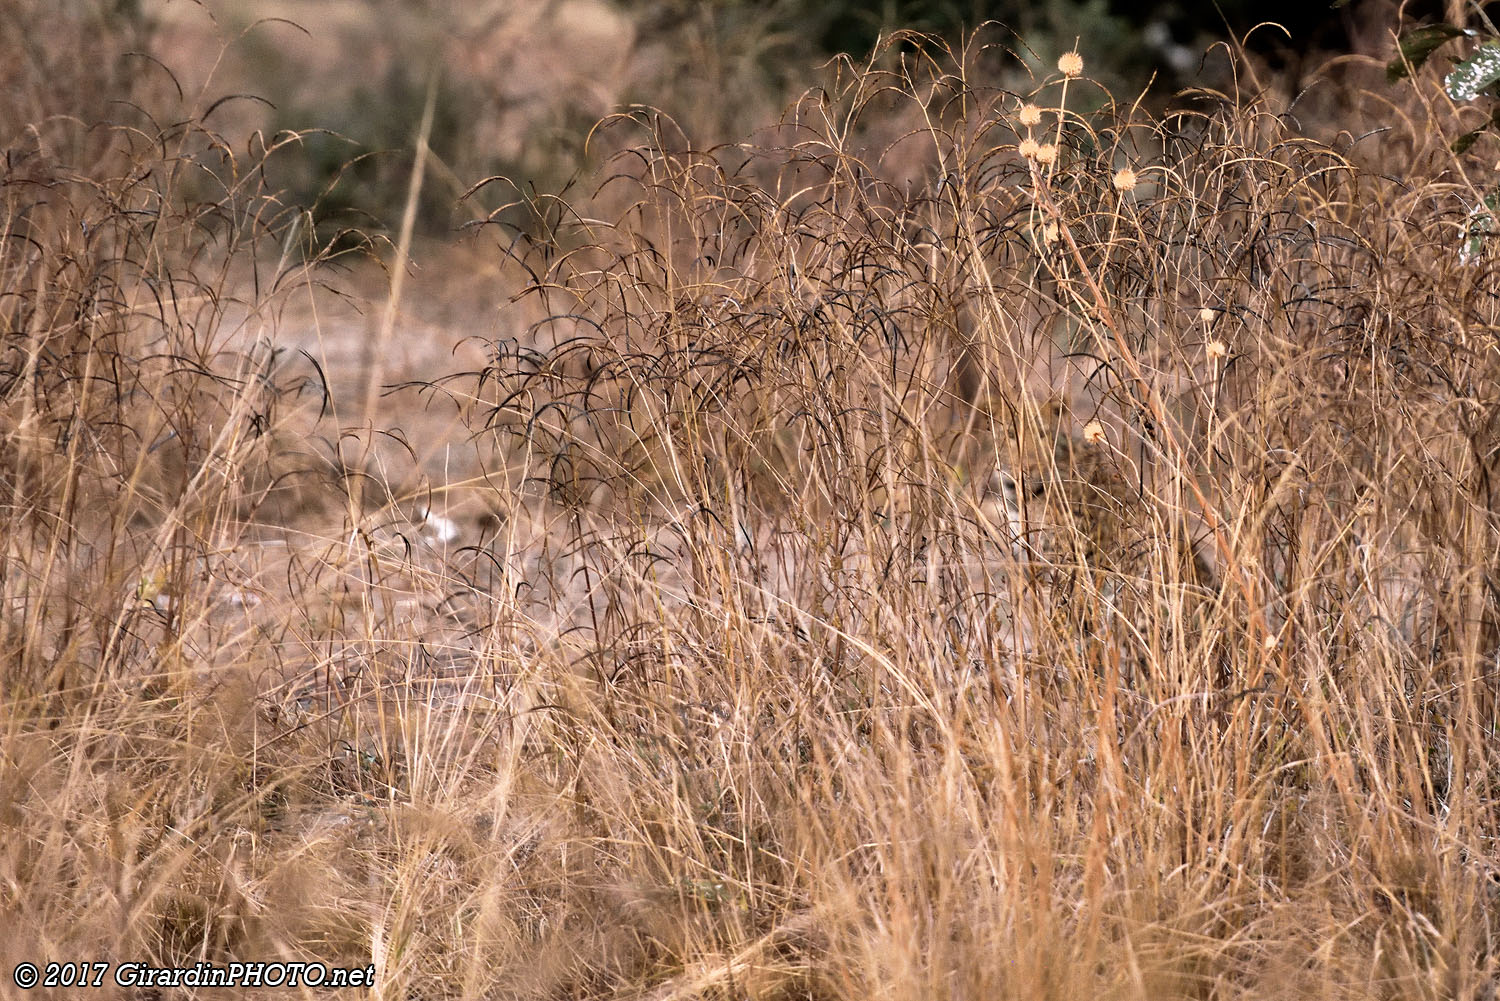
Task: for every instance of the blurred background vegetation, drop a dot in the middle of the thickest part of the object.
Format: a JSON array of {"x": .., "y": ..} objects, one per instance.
[{"x": 520, "y": 83}]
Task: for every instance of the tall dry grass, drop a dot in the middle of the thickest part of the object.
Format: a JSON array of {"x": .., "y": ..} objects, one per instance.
[{"x": 714, "y": 674}]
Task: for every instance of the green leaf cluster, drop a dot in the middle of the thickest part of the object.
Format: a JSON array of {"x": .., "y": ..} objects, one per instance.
[{"x": 1471, "y": 77}]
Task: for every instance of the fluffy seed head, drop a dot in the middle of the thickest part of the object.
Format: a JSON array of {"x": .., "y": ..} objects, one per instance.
[
  {"x": 1207, "y": 316},
  {"x": 1070, "y": 64},
  {"x": 1125, "y": 179},
  {"x": 1030, "y": 115},
  {"x": 1215, "y": 350},
  {"x": 1029, "y": 148},
  {"x": 1046, "y": 154},
  {"x": 1093, "y": 433}
]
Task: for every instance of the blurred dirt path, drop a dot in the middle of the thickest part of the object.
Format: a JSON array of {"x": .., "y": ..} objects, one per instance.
[{"x": 452, "y": 310}]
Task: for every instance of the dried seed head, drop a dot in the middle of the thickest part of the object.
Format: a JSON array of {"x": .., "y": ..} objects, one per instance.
[
  {"x": 1215, "y": 350},
  {"x": 1030, "y": 115},
  {"x": 1046, "y": 154},
  {"x": 1029, "y": 148},
  {"x": 1125, "y": 179},
  {"x": 1207, "y": 315},
  {"x": 1070, "y": 64},
  {"x": 1093, "y": 433}
]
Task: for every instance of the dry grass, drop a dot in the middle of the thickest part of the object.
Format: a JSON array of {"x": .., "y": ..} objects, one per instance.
[{"x": 673, "y": 649}]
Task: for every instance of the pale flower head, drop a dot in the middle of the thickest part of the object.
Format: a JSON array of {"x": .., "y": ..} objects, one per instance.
[
  {"x": 1029, "y": 148},
  {"x": 1125, "y": 180},
  {"x": 1215, "y": 350},
  {"x": 1070, "y": 64},
  {"x": 1093, "y": 432},
  {"x": 1207, "y": 316},
  {"x": 1046, "y": 154},
  {"x": 1029, "y": 115}
]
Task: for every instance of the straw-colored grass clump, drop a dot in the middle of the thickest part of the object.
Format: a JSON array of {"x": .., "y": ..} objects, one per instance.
[{"x": 934, "y": 568}]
